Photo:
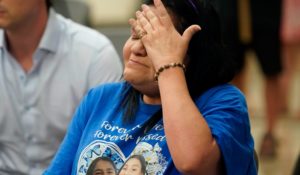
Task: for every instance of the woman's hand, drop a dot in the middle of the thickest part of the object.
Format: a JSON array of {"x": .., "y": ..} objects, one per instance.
[{"x": 163, "y": 43}]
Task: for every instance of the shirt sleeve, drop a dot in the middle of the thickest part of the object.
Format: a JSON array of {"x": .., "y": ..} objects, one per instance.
[
  {"x": 106, "y": 66},
  {"x": 63, "y": 160},
  {"x": 227, "y": 116}
]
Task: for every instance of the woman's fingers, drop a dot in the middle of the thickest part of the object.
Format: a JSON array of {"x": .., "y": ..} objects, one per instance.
[
  {"x": 189, "y": 32},
  {"x": 137, "y": 28},
  {"x": 151, "y": 19},
  {"x": 151, "y": 16},
  {"x": 144, "y": 22},
  {"x": 132, "y": 22},
  {"x": 162, "y": 12}
]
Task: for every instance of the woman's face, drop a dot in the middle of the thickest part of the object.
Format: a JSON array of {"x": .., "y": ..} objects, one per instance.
[
  {"x": 104, "y": 168},
  {"x": 138, "y": 68},
  {"x": 132, "y": 167}
]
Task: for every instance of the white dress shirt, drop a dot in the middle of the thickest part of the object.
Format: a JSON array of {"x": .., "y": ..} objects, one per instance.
[{"x": 36, "y": 106}]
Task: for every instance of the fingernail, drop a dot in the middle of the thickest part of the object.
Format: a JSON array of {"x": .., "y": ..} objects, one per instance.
[
  {"x": 138, "y": 13},
  {"x": 145, "y": 7}
]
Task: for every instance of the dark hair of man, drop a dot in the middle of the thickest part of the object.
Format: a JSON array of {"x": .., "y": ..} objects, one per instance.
[
  {"x": 209, "y": 64},
  {"x": 94, "y": 163}
]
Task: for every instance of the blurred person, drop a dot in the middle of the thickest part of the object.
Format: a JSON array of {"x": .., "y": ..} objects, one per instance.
[
  {"x": 290, "y": 37},
  {"x": 102, "y": 166},
  {"x": 255, "y": 24},
  {"x": 175, "y": 106},
  {"x": 135, "y": 165},
  {"x": 47, "y": 63}
]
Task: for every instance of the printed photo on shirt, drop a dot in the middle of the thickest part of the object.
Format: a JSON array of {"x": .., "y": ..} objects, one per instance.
[
  {"x": 135, "y": 165},
  {"x": 102, "y": 166}
]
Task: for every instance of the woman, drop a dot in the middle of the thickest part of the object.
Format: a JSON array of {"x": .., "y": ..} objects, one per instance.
[
  {"x": 175, "y": 107},
  {"x": 135, "y": 165},
  {"x": 102, "y": 166}
]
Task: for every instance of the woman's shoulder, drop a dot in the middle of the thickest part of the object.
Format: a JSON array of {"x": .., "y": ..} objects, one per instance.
[
  {"x": 106, "y": 90},
  {"x": 222, "y": 92},
  {"x": 113, "y": 86}
]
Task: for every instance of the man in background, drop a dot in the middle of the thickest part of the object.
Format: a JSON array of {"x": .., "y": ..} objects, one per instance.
[{"x": 47, "y": 63}]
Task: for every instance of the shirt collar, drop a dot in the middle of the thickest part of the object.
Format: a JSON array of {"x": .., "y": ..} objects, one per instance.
[
  {"x": 2, "y": 39},
  {"x": 50, "y": 38}
]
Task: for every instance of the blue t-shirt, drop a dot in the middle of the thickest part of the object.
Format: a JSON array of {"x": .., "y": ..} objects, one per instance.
[{"x": 97, "y": 130}]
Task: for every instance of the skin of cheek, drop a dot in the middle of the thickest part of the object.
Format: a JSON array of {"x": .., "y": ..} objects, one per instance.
[
  {"x": 136, "y": 75},
  {"x": 141, "y": 78}
]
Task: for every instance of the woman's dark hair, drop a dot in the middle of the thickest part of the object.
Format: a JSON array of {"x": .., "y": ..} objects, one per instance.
[
  {"x": 141, "y": 160},
  {"x": 209, "y": 64},
  {"x": 94, "y": 163}
]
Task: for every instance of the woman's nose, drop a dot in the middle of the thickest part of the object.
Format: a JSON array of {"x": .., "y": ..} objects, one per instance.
[{"x": 138, "y": 48}]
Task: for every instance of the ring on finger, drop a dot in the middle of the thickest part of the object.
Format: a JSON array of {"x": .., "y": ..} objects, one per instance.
[{"x": 141, "y": 34}]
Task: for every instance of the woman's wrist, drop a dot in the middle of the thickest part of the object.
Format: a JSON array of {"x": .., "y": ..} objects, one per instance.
[{"x": 168, "y": 66}]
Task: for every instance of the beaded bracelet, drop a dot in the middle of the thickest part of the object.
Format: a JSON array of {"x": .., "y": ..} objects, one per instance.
[{"x": 167, "y": 66}]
